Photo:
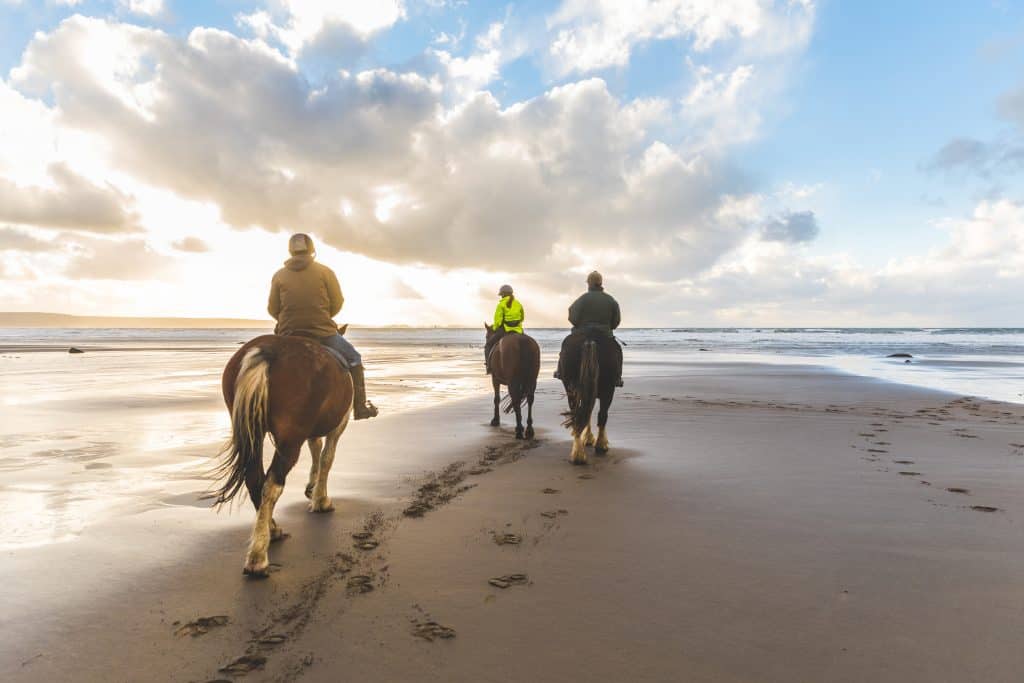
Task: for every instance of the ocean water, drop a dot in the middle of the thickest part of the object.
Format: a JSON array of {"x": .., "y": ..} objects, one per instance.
[{"x": 985, "y": 362}]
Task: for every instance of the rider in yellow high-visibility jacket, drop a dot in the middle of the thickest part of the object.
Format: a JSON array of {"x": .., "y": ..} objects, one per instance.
[{"x": 508, "y": 319}]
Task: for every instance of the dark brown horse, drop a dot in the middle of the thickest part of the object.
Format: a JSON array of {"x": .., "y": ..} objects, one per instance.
[
  {"x": 295, "y": 390},
  {"x": 590, "y": 366},
  {"x": 515, "y": 362}
]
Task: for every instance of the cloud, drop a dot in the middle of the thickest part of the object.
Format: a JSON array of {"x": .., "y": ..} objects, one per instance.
[
  {"x": 147, "y": 8},
  {"x": 792, "y": 227},
  {"x": 12, "y": 239},
  {"x": 123, "y": 259},
  {"x": 985, "y": 159},
  {"x": 323, "y": 27},
  {"x": 589, "y": 35},
  {"x": 374, "y": 162},
  {"x": 192, "y": 245},
  {"x": 72, "y": 202}
]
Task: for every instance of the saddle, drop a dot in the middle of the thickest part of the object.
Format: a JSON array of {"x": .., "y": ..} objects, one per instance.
[{"x": 312, "y": 337}]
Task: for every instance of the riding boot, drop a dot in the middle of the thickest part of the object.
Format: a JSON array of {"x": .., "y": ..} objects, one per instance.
[{"x": 362, "y": 409}]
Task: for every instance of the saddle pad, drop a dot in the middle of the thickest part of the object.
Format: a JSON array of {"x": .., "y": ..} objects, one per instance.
[{"x": 338, "y": 356}]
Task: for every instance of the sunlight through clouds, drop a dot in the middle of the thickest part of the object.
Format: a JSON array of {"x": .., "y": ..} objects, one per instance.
[{"x": 507, "y": 146}]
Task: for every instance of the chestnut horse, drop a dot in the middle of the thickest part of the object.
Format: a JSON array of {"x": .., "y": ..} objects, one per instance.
[
  {"x": 296, "y": 390},
  {"x": 515, "y": 362},
  {"x": 590, "y": 366}
]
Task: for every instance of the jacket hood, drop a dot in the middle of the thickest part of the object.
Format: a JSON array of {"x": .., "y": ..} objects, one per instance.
[
  {"x": 595, "y": 288},
  {"x": 298, "y": 262}
]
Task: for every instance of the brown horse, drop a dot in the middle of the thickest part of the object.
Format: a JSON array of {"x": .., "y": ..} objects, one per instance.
[
  {"x": 590, "y": 366},
  {"x": 515, "y": 362},
  {"x": 295, "y": 390}
]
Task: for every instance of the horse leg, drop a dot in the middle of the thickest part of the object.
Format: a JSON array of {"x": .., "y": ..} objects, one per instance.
[
  {"x": 316, "y": 447},
  {"x": 601, "y": 446},
  {"x": 320, "y": 501},
  {"x": 256, "y": 561},
  {"x": 495, "y": 421},
  {"x": 516, "y": 396},
  {"x": 587, "y": 436},
  {"x": 579, "y": 451},
  {"x": 529, "y": 414}
]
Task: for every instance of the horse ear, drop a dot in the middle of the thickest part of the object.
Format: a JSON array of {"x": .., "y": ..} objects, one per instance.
[
  {"x": 343, "y": 329},
  {"x": 488, "y": 327}
]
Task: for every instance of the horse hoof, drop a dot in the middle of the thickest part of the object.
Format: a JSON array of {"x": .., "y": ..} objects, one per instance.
[
  {"x": 578, "y": 461},
  {"x": 309, "y": 491},
  {"x": 529, "y": 432},
  {"x": 256, "y": 570},
  {"x": 495, "y": 422},
  {"x": 519, "y": 434},
  {"x": 324, "y": 505},
  {"x": 601, "y": 451}
]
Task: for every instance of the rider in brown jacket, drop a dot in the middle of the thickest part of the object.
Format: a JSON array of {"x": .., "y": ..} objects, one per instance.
[{"x": 304, "y": 298}]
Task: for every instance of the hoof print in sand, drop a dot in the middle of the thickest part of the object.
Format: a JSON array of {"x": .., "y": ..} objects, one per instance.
[
  {"x": 904, "y": 462},
  {"x": 416, "y": 510},
  {"x": 366, "y": 545},
  {"x": 440, "y": 488},
  {"x": 504, "y": 582},
  {"x": 550, "y": 491},
  {"x": 508, "y": 539},
  {"x": 586, "y": 476},
  {"x": 244, "y": 665},
  {"x": 910, "y": 474},
  {"x": 984, "y": 508},
  {"x": 271, "y": 640},
  {"x": 551, "y": 514},
  {"x": 361, "y": 583},
  {"x": 479, "y": 470},
  {"x": 958, "y": 489},
  {"x": 431, "y": 630},
  {"x": 201, "y": 625}
]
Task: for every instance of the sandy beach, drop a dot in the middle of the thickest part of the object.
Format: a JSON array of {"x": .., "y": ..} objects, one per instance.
[{"x": 751, "y": 523}]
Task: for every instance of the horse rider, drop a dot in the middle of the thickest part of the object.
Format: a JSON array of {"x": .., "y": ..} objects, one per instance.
[
  {"x": 508, "y": 319},
  {"x": 304, "y": 297},
  {"x": 594, "y": 314}
]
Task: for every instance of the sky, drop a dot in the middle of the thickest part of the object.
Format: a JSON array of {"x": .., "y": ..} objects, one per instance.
[{"x": 721, "y": 162}]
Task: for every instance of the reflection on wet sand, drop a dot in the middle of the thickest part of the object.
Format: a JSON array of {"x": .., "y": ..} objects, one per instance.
[{"x": 89, "y": 436}]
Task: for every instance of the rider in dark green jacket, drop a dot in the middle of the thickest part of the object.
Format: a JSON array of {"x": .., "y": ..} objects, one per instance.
[{"x": 594, "y": 314}]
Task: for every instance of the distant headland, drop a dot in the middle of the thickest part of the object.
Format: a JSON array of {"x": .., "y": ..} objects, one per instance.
[{"x": 56, "y": 320}]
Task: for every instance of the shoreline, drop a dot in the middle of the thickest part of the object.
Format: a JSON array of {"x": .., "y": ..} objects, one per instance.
[{"x": 742, "y": 528}]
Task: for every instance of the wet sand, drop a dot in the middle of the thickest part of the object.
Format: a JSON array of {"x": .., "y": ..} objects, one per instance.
[{"x": 751, "y": 523}]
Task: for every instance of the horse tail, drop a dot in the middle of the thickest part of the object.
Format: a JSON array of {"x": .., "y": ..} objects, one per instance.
[
  {"x": 249, "y": 424},
  {"x": 518, "y": 384},
  {"x": 585, "y": 391}
]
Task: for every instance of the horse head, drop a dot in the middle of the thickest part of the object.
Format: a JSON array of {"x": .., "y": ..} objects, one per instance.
[
  {"x": 343, "y": 329},
  {"x": 488, "y": 331}
]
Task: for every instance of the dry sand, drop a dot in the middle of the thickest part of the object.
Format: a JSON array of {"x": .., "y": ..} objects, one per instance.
[{"x": 751, "y": 523}]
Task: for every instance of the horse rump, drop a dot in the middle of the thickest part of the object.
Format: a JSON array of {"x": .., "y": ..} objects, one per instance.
[{"x": 243, "y": 451}]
